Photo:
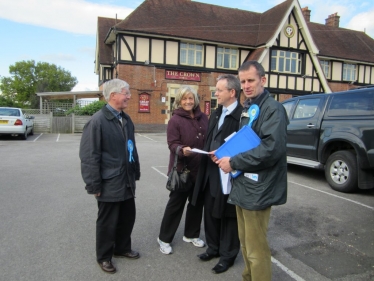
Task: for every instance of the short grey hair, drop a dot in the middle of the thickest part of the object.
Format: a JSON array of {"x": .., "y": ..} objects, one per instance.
[
  {"x": 183, "y": 90},
  {"x": 114, "y": 86},
  {"x": 232, "y": 83}
]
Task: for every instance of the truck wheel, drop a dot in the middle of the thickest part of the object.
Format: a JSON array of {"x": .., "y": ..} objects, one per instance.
[{"x": 341, "y": 171}]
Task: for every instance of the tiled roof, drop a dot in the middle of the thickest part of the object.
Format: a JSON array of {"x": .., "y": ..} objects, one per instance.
[
  {"x": 270, "y": 21},
  {"x": 256, "y": 54},
  {"x": 194, "y": 20},
  {"x": 342, "y": 43},
  {"x": 188, "y": 19},
  {"x": 105, "y": 51}
]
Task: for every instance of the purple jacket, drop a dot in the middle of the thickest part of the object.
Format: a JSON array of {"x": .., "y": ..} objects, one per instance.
[{"x": 184, "y": 131}]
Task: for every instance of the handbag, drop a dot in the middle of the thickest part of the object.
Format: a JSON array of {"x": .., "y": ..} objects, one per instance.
[{"x": 178, "y": 181}]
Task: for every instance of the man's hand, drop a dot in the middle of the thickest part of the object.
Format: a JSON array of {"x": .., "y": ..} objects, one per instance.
[
  {"x": 224, "y": 164},
  {"x": 97, "y": 194},
  {"x": 212, "y": 155}
]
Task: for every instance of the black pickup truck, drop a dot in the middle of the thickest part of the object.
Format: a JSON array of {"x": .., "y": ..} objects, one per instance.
[{"x": 334, "y": 132}]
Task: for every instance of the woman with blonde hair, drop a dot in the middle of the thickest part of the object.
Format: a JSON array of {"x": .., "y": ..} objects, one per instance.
[{"x": 186, "y": 128}]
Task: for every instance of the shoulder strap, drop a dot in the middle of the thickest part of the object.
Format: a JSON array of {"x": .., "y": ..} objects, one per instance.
[{"x": 176, "y": 156}]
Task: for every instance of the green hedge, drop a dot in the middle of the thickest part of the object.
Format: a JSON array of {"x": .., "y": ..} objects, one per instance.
[{"x": 89, "y": 109}]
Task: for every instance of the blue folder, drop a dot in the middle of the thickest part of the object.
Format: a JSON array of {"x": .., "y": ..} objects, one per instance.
[{"x": 245, "y": 139}]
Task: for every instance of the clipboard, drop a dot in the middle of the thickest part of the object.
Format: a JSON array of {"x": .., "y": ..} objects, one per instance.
[{"x": 245, "y": 139}]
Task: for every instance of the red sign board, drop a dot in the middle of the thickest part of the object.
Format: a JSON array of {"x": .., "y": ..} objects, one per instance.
[
  {"x": 144, "y": 102},
  {"x": 182, "y": 75},
  {"x": 207, "y": 108}
]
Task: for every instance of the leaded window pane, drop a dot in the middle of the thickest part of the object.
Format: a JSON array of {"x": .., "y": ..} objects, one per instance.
[
  {"x": 199, "y": 58},
  {"x": 227, "y": 58},
  {"x": 281, "y": 64},
  {"x": 183, "y": 56}
]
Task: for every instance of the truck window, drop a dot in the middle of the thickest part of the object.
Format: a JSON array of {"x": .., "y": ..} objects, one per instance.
[
  {"x": 306, "y": 108},
  {"x": 288, "y": 106},
  {"x": 352, "y": 104}
]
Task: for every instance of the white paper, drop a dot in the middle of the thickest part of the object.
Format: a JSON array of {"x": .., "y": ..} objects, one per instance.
[
  {"x": 230, "y": 136},
  {"x": 225, "y": 181},
  {"x": 199, "y": 151}
]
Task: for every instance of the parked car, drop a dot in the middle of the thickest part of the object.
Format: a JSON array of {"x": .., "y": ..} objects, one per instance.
[
  {"x": 334, "y": 132},
  {"x": 14, "y": 122}
]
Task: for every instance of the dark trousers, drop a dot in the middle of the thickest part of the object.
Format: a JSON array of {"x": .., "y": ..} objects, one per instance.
[
  {"x": 221, "y": 233},
  {"x": 173, "y": 214},
  {"x": 114, "y": 225}
]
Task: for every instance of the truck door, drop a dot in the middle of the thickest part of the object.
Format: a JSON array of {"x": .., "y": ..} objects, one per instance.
[{"x": 304, "y": 128}]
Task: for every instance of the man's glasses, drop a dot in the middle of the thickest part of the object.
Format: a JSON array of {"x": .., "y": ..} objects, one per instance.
[{"x": 127, "y": 94}]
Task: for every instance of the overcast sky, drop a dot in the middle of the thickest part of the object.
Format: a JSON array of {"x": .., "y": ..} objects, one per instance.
[{"x": 63, "y": 32}]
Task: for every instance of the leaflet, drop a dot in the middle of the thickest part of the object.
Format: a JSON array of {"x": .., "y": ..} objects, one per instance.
[{"x": 199, "y": 151}]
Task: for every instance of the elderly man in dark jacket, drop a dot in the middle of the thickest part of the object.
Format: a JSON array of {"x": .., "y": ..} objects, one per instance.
[
  {"x": 221, "y": 229},
  {"x": 263, "y": 181},
  {"x": 110, "y": 167}
]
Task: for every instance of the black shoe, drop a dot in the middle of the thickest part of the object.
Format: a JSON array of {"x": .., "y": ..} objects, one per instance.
[
  {"x": 107, "y": 267},
  {"x": 207, "y": 257},
  {"x": 220, "y": 267},
  {"x": 130, "y": 255}
]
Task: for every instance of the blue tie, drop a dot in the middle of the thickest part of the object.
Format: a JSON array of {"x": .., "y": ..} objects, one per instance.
[{"x": 222, "y": 117}]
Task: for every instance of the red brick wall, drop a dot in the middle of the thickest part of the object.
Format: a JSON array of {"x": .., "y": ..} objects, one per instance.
[
  {"x": 141, "y": 79},
  {"x": 338, "y": 87}
]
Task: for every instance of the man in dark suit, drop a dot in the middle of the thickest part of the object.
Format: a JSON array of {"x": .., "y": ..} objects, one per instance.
[
  {"x": 110, "y": 167},
  {"x": 221, "y": 230}
]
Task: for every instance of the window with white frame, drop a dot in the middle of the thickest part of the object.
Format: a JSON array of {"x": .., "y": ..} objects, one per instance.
[
  {"x": 191, "y": 54},
  {"x": 213, "y": 100},
  {"x": 227, "y": 58},
  {"x": 285, "y": 61},
  {"x": 349, "y": 72},
  {"x": 325, "y": 64}
]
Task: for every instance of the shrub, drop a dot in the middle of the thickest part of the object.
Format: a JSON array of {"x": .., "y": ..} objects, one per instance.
[{"x": 89, "y": 109}]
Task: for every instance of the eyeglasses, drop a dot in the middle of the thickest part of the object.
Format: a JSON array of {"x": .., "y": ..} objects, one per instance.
[{"x": 127, "y": 94}]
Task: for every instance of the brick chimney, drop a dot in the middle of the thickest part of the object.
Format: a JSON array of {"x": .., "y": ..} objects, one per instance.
[
  {"x": 333, "y": 20},
  {"x": 306, "y": 13}
]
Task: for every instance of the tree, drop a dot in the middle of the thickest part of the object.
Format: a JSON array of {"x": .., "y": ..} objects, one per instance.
[
  {"x": 6, "y": 102},
  {"x": 28, "y": 78}
]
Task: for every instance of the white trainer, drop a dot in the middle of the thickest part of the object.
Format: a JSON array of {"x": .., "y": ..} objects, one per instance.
[
  {"x": 195, "y": 241},
  {"x": 165, "y": 248}
]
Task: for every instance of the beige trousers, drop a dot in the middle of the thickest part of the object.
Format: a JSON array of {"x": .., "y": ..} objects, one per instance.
[{"x": 253, "y": 226}]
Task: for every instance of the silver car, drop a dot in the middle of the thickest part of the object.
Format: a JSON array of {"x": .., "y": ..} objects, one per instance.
[{"x": 14, "y": 122}]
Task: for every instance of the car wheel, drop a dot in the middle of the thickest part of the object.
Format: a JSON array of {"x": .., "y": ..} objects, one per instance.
[
  {"x": 32, "y": 131},
  {"x": 24, "y": 135},
  {"x": 341, "y": 171}
]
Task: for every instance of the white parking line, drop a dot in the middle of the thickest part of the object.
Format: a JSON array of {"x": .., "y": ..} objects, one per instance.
[
  {"x": 287, "y": 270},
  {"x": 340, "y": 197},
  {"x": 37, "y": 137},
  {"x": 158, "y": 171},
  {"x": 146, "y": 137},
  {"x": 273, "y": 260},
  {"x": 58, "y": 137}
]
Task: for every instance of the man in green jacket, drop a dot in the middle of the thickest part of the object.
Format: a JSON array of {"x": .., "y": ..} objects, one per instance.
[{"x": 263, "y": 181}]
